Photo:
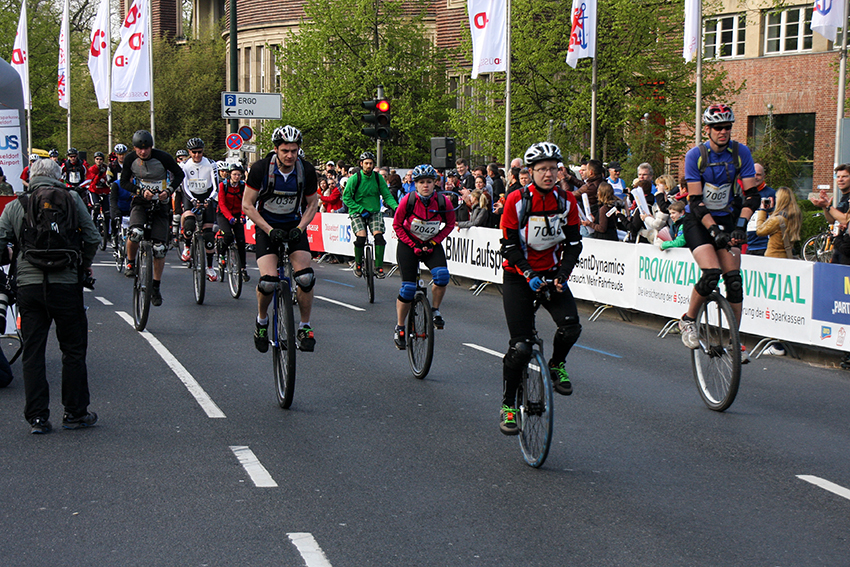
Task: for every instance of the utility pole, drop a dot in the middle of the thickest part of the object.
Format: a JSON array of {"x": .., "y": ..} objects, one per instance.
[{"x": 234, "y": 61}]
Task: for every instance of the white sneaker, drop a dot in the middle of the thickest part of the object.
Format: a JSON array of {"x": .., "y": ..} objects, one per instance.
[
  {"x": 774, "y": 350},
  {"x": 211, "y": 275},
  {"x": 688, "y": 329},
  {"x": 186, "y": 255}
]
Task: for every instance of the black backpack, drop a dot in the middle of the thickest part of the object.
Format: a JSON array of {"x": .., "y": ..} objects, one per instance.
[
  {"x": 50, "y": 239},
  {"x": 441, "y": 202}
]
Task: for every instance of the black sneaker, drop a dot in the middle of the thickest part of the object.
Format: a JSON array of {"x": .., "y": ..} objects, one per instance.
[
  {"x": 130, "y": 270},
  {"x": 306, "y": 340},
  {"x": 156, "y": 297},
  {"x": 87, "y": 420},
  {"x": 560, "y": 379},
  {"x": 40, "y": 425},
  {"x": 400, "y": 338},
  {"x": 439, "y": 322},
  {"x": 358, "y": 270},
  {"x": 245, "y": 276},
  {"x": 261, "y": 337},
  {"x": 379, "y": 273},
  {"x": 507, "y": 421}
]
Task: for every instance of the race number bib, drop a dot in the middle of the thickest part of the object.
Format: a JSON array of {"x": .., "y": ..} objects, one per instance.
[
  {"x": 543, "y": 235},
  {"x": 197, "y": 185},
  {"x": 424, "y": 230},
  {"x": 281, "y": 204},
  {"x": 73, "y": 177},
  {"x": 152, "y": 186},
  {"x": 717, "y": 198}
]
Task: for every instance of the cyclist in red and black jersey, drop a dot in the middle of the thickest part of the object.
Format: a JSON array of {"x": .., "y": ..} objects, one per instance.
[
  {"x": 231, "y": 220},
  {"x": 540, "y": 242}
]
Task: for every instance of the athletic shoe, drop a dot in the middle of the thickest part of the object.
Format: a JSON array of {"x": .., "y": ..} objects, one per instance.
[
  {"x": 245, "y": 276},
  {"x": 439, "y": 322},
  {"x": 689, "y": 333},
  {"x": 379, "y": 273},
  {"x": 560, "y": 379},
  {"x": 186, "y": 255},
  {"x": 86, "y": 420},
  {"x": 306, "y": 340},
  {"x": 130, "y": 270},
  {"x": 358, "y": 270},
  {"x": 774, "y": 350},
  {"x": 399, "y": 337},
  {"x": 507, "y": 421},
  {"x": 211, "y": 275},
  {"x": 156, "y": 297},
  {"x": 40, "y": 425},
  {"x": 261, "y": 337},
  {"x": 745, "y": 357}
]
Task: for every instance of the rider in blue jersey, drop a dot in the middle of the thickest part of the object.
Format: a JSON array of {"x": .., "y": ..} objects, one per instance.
[{"x": 716, "y": 218}]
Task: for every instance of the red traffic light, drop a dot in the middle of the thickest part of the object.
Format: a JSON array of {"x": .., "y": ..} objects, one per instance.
[{"x": 383, "y": 105}]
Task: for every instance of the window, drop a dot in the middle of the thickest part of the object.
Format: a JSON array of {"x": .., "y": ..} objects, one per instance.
[
  {"x": 261, "y": 62},
  {"x": 788, "y": 31},
  {"x": 724, "y": 36},
  {"x": 275, "y": 63},
  {"x": 799, "y": 131},
  {"x": 247, "y": 66}
]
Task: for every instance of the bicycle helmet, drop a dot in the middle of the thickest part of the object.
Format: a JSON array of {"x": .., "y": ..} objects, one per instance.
[
  {"x": 542, "y": 151},
  {"x": 34, "y": 157},
  {"x": 120, "y": 149},
  {"x": 53, "y": 153},
  {"x": 451, "y": 173},
  {"x": 301, "y": 153},
  {"x": 366, "y": 155},
  {"x": 236, "y": 167},
  {"x": 182, "y": 153},
  {"x": 72, "y": 151},
  {"x": 222, "y": 166},
  {"x": 195, "y": 144},
  {"x": 286, "y": 134},
  {"x": 424, "y": 171},
  {"x": 717, "y": 114},
  {"x": 142, "y": 139},
  {"x": 99, "y": 155}
]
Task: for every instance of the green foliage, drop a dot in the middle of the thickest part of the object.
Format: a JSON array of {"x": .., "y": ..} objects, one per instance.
[
  {"x": 331, "y": 65},
  {"x": 813, "y": 222},
  {"x": 775, "y": 155}
]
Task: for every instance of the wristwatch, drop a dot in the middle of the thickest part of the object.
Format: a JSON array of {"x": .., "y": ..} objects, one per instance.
[{"x": 528, "y": 274}]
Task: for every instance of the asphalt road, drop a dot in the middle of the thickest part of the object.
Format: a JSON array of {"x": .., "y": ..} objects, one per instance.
[{"x": 373, "y": 467}]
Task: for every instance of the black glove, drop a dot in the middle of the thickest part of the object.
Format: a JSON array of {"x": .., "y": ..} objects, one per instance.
[
  {"x": 277, "y": 236},
  {"x": 295, "y": 235},
  {"x": 721, "y": 239},
  {"x": 739, "y": 236}
]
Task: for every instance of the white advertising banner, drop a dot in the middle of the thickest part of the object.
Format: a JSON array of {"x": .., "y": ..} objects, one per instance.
[
  {"x": 131, "y": 68},
  {"x": 11, "y": 153},
  {"x": 606, "y": 272},
  {"x": 475, "y": 253},
  {"x": 63, "y": 74},
  {"x": 20, "y": 56},
  {"x": 583, "y": 32},
  {"x": 828, "y": 16},
  {"x": 487, "y": 22},
  {"x": 99, "y": 47},
  {"x": 693, "y": 25},
  {"x": 664, "y": 280}
]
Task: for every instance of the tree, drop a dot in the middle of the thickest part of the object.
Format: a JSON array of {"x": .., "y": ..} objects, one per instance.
[
  {"x": 334, "y": 62},
  {"x": 773, "y": 152}
]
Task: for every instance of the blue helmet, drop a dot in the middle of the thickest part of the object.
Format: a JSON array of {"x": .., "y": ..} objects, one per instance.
[{"x": 424, "y": 171}]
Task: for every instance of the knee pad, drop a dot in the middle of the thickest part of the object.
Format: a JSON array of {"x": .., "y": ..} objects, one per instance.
[
  {"x": 708, "y": 282},
  {"x": 159, "y": 250},
  {"x": 440, "y": 275},
  {"x": 379, "y": 239},
  {"x": 209, "y": 239},
  {"x": 734, "y": 286},
  {"x": 359, "y": 241},
  {"x": 568, "y": 332},
  {"x": 518, "y": 355},
  {"x": 406, "y": 292},
  {"x": 188, "y": 227},
  {"x": 267, "y": 284},
  {"x": 305, "y": 279},
  {"x": 136, "y": 234}
]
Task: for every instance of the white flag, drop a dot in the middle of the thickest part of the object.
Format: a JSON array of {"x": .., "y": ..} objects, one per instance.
[
  {"x": 99, "y": 55},
  {"x": 63, "y": 75},
  {"x": 131, "y": 66},
  {"x": 20, "y": 56},
  {"x": 693, "y": 21},
  {"x": 489, "y": 35},
  {"x": 583, "y": 33},
  {"x": 828, "y": 17}
]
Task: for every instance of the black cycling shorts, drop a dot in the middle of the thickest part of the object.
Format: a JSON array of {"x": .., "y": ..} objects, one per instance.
[
  {"x": 160, "y": 218},
  {"x": 696, "y": 234},
  {"x": 263, "y": 246},
  {"x": 408, "y": 262}
]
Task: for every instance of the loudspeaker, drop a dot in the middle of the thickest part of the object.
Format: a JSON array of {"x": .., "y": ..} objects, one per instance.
[{"x": 443, "y": 153}]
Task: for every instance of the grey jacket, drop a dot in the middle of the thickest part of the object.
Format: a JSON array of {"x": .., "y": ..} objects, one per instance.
[{"x": 11, "y": 226}]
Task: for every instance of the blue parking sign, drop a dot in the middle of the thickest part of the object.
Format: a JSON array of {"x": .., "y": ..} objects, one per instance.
[{"x": 230, "y": 100}]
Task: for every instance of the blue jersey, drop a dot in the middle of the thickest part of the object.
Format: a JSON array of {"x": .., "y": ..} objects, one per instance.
[{"x": 718, "y": 180}]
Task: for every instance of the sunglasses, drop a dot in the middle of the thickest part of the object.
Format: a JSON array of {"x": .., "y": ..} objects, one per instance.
[
  {"x": 720, "y": 128},
  {"x": 197, "y": 151}
]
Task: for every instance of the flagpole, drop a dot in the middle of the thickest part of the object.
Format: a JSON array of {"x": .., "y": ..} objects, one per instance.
[
  {"x": 108, "y": 31},
  {"x": 593, "y": 110},
  {"x": 698, "y": 112},
  {"x": 842, "y": 79},
  {"x": 29, "y": 90},
  {"x": 67, "y": 48},
  {"x": 150, "y": 65},
  {"x": 508, "y": 86}
]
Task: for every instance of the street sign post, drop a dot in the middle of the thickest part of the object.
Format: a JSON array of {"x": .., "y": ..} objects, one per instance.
[{"x": 258, "y": 106}]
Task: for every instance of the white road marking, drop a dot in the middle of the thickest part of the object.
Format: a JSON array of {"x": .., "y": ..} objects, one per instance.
[
  {"x": 103, "y": 300},
  {"x": 494, "y": 353},
  {"x": 252, "y": 465},
  {"x": 335, "y": 302},
  {"x": 826, "y": 485},
  {"x": 309, "y": 549},
  {"x": 191, "y": 384}
]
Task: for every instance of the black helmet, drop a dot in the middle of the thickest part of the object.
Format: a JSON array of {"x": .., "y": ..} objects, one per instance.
[
  {"x": 72, "y": 151},
  {"x": 286, "y": 134},
  {"x": 366, "y": 155},
  {"x": 195, "y": 144},
  {"x": 142, "y": 139},
  {"x": 236, "y": 167},
  {"x": 182, "y": 153},
  {"x": 99, "y": 155}
]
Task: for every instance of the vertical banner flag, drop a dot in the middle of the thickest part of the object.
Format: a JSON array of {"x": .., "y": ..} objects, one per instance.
[
  {"x": 63, "y": 57},
  {"x": 20, "y": 54},
  {"x": 487, "y": 22},
  {"x": 99, "y": 55},
  {"x": 828, "y": 16},
  {"x": 693, "y": 17},
  {"x": 131, "y": 66},
  {"x": 583, "y": 33}
]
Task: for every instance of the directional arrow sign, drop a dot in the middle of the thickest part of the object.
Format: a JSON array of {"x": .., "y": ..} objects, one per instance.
[{"x": 262, "y": 106}]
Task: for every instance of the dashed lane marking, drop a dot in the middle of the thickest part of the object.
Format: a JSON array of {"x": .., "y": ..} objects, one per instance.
[
  {"x": 309, "y": 549},
  {"x": 103, "y": 300},
  {"x": 826, "y": 485},
  {"x": 335, "y": 302},
  {"x": 252, "y": 465}
]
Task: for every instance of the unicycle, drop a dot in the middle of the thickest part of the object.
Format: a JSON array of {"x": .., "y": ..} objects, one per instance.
[
  {"x": 283, "y": 331},
  {"x": 420, "y": 332},
  {"x": 716, "y": 362}
]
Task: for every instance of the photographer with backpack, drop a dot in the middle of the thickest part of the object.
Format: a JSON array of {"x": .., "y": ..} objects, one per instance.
[{"x": 55, "y": 242}]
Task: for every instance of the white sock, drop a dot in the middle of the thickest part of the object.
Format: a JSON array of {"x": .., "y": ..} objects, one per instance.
[
  {"x": 263, "y": 321},
  {"x": 302, "y": 324}
]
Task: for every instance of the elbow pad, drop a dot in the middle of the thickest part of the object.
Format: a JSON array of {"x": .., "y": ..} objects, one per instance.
[{"x": 698, "y": 208}]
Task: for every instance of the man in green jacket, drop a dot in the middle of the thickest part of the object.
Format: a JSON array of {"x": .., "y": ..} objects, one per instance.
[
  {"x": 55, "y": 296},
  {"x": 362, "y": 196}
]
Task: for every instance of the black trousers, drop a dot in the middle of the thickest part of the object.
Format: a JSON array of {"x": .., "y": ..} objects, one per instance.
[
  {"x": 39, "y": 305},
  {"x": 229, "y": 232}
]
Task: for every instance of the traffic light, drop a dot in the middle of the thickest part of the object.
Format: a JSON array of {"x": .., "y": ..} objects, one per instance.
[{"x": 378, "y": 119}]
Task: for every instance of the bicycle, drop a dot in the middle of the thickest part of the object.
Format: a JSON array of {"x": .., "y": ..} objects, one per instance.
[
  {"x": 369, "y": 263},
  {"x": 143, "y": 280},
  {"x": 198, "y": 258},
  {"x": 716, "y": 363},
  {"x": 420, "y": 331},
  {"x": 231, "y": 267},
  {"x": 535, "y": 396},
  {"x": 819, "y": 247},
  {"x": 283, "y": 330},
  {"x": 99, "y": 221}
]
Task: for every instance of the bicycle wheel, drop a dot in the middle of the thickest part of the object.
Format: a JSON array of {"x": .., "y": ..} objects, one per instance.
[
  {"x": 369, "y": 273},
  {"x": 716, "y": 362},
  {"x": 288, "y": 272},
  {"x": 199, "y": 259},
  {"x": 234, "y": 271},
  {"x": 118, "y": 252},
  {"x": 104, "y": 231},
  {"x": 283, "y": 345},
  {"x": 420, "y": 336},
  {"x": 535, "y": 417},
  {"x": 821, "y": 247},
  {"x": 142, "y": 285}
]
